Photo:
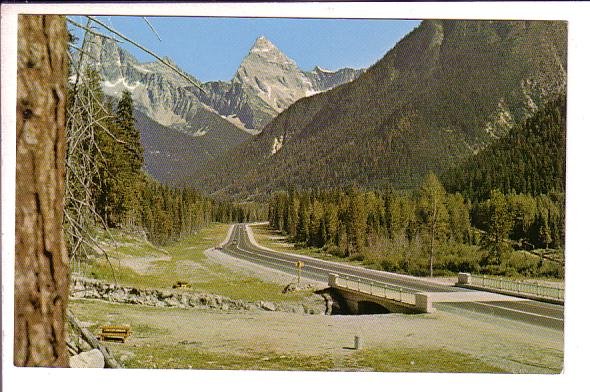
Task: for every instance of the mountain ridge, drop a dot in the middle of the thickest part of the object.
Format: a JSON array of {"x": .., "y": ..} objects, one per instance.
[
  {"x": 265, "y": 83},
  {"x": 444, "y": 92}
]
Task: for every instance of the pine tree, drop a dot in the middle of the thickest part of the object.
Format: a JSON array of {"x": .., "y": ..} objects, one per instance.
[
  {"x": 432, "y": 212},
  {"x": 356, "y": 222},
  {"x": 498, "y": 223}
]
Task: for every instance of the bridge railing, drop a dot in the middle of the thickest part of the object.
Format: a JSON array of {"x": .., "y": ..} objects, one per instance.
[
  {"x": 378, "y": 289},
  {"x": 518, "y": 287}
]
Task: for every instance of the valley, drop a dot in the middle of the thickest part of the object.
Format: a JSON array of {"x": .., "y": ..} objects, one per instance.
[
  {"x": 166, "y": 337},
  {"x": 444, "y": 157}
]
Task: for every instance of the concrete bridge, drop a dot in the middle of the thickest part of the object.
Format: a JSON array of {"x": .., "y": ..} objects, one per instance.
[{"x": 362, "y": 296}]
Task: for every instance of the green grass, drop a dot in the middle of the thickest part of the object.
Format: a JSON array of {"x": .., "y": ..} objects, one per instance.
[
  {"x": 189, "y": 356},
  {"x": 161, "y": 351},
  {"x": 422, "y": 360},
  {"x": 184, "y": 260}
]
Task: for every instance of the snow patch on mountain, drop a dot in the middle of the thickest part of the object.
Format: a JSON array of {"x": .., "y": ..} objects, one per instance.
[
  {"x": 118, "y": 85},
  {"x": 318, "y": 69},
  {"x": 277, "y": 145}
]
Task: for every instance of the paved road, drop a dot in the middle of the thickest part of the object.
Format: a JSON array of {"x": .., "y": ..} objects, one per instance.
[{"x": 532, "y": 312}]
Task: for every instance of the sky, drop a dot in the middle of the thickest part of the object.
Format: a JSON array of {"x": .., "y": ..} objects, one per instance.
[{"x": 213, "y": 48}]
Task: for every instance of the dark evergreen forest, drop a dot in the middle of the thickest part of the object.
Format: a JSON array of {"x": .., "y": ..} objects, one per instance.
[{"x": 510, "y": 196}]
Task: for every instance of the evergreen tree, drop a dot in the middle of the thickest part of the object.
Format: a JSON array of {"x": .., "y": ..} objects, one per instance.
[
  {"x": 356, "y": 222},
  {"x": 432, "y": 212},
  {"x": 498, "y": 223}
]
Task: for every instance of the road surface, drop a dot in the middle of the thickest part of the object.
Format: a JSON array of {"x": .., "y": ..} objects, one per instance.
[{"x": 527, "y": 311}]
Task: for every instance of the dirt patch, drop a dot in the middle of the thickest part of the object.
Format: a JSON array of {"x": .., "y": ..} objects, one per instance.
[
  {"x": 532, "y": 350},
  {"x": 142, "y": 265}
]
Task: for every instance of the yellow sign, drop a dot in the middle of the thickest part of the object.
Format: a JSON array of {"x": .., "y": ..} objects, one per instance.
[{"x": 299, "y": 265}]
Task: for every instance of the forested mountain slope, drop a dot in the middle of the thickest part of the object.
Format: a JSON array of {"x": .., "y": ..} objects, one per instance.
[
  {"x": 530, "y": 159},
  {"x": 170, "y": 154},
  {"x": 445, "y": 91}
]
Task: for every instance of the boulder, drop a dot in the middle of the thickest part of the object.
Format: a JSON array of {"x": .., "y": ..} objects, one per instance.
[
  {"x": 173, "y": 302},
  {"x": 88, "y": 359},
  {"x": 268, "y": 306}
]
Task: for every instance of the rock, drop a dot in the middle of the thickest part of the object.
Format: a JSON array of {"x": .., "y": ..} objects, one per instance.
[
  {"x": 268, "y": 306},
  {"x": 78, "y": 294},
  {"x": 192, "y": 301},
  {"x": 163, "y": 295},
  {"x": 289, "y": 288},
  {"x": 88, "y": 359},
  {"x": 84, "y": 345},
  {"x": 126, "y": 356},
  {"x": 171, "y": 302}
]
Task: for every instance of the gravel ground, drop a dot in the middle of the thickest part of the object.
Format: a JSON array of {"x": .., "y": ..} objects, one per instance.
[{"x": 507, "y": 345}]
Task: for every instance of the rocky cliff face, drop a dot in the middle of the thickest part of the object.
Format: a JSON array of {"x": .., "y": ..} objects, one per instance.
[
  {"x": 322, "y": 80},
  {"x": 265, "y": 84},
  {"x": 157, "y": 91}
]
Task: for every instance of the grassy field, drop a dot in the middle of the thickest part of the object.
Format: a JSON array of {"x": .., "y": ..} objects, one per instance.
[
  {"x": 393, "y": 360},
  {"x": 135, "y": 262}
]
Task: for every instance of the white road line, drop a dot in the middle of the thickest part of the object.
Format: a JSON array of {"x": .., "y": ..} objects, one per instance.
[{"x": 518, "y": 311}]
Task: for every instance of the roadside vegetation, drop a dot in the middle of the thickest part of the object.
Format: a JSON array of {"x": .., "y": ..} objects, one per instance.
[
  {"x": 136, "y": 262},
  {"x": 501, "y": 212},
  {"x": 429, "y": 232}
]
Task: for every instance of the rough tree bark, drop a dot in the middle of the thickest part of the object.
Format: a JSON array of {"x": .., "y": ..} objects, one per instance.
[{"x": 41, "y": 266}]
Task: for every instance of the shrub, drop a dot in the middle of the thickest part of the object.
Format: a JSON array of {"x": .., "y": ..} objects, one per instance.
[
  {"x": 336, "y": 251},
  {"x": 357, "y": 257}
]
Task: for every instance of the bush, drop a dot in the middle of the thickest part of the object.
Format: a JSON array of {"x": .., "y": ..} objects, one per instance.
[
  {"x": 456, "y": 257},
  {"x": 357, "y": 257},
  {"x": 552, "y": 270},
  {"x": 336, "y": 251},
  {"x": 521, "y": 263}
]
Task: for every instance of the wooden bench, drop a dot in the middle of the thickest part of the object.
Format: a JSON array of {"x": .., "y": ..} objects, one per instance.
[{"x": 115, "y": 333}]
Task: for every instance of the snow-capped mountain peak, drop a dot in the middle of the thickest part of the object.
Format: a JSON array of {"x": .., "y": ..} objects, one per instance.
[{"x": 262, "y": 45}]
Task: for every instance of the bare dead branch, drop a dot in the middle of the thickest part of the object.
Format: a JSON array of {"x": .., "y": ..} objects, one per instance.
[
  {"x": 89, "y": 30},
  {"x": 152, "y": 28}
]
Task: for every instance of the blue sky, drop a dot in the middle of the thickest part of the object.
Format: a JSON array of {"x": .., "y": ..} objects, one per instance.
[{"x": 212, "y": 48}]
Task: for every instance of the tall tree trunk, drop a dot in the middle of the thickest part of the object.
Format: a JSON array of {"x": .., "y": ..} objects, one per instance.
[
  {"x": 431, "y": 252},
  {"x": 41, "y": 266}
]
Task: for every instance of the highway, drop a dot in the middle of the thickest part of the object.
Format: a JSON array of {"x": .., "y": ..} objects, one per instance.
[{"x": 527, "y": 311}]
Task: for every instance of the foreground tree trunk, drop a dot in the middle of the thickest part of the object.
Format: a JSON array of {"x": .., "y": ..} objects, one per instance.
[{"x": 41, "y": 273}]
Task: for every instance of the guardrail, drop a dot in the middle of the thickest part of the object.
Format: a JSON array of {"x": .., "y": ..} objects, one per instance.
[
  {"x": 378, "y": 289},
  {"x": 518, "y": 287}
]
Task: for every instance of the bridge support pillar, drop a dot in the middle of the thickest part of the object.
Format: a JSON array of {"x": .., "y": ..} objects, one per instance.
[
  {"x": 464, "y": 278},
  {"x": 424, "y": 303},
  {"x": 332, "y": 278}
]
